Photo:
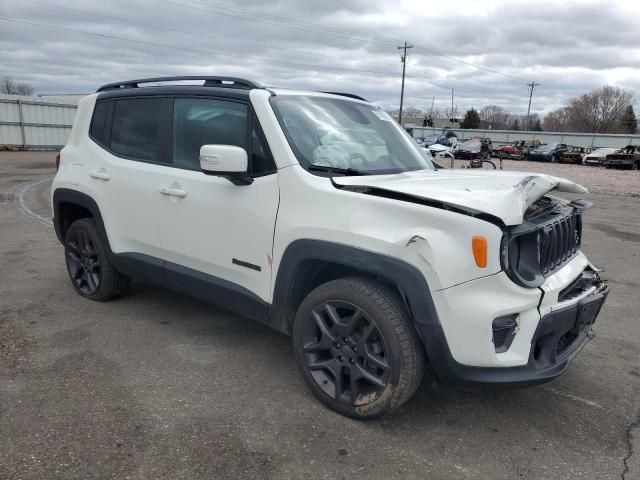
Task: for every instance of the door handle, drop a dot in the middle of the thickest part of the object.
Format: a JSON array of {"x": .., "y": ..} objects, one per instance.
[
  {"x": 100, "y": 175},
  {"x": 174, "y": 192}
]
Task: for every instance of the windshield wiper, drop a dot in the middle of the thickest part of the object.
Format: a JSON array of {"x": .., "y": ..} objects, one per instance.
[{"x": 344, "y": 171}]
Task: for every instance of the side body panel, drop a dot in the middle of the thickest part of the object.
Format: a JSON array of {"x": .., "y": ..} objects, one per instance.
[{"x": 219, "y": 228}]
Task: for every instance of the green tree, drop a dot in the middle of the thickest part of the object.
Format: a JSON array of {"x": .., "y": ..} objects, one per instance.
[
  {"x": 471, "y": 119},
  {"x": 629, "y": 121},
  {"x": 537, "y": 126},
  {"x": 515, "y": 126}
]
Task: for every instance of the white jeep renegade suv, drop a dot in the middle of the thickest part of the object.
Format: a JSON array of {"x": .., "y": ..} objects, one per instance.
[{"x": 316, "y": 214}]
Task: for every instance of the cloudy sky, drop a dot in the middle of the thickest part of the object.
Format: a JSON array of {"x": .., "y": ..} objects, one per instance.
[{"x": 487, "y": 51}]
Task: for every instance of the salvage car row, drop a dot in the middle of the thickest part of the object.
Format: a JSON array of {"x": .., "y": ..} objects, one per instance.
[{"x": 482, "y": 148}]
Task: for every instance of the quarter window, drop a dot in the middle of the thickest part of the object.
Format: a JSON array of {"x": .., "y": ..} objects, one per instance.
[
  {"x": 198, "y": 122},
  {"x": 135, "y": 131},
  {"x": 98, "y": 122}
]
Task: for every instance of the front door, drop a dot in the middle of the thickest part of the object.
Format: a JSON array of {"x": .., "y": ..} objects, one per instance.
[{"x": 207, "y": 223}]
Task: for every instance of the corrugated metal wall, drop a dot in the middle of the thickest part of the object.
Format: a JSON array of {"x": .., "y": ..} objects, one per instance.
[
  {"x": 35, "y": 123},
  {"x": 506, "y": 136}
]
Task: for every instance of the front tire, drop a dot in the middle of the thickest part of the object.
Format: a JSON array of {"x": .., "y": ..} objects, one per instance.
[
  {"x": 356, "y": 347},
  {"x": 90, "y": 271}
]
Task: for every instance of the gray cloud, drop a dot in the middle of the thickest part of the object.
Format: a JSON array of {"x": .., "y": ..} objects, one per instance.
[{"x": 569, "y": 48}]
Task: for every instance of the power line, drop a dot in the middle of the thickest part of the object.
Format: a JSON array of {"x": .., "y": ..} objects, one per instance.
[
  {"x": 198, "y": 35},
  {"x": 211, "y": 52},
  {"x": 214, "y": 52},
  {"x": 316, "y": 28},
  {"x": 196, "y": 50},
  {"x": 454, "y": 60},
  {"x": 272, "y": 20}
]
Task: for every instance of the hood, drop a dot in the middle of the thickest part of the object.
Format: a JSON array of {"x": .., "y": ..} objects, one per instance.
[{"x": 505, "y": 195}]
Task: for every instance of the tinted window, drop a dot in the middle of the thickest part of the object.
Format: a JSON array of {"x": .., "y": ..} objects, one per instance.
[
  {"x": 198, "y": 122},
  {"x": 261, "y": 160},
  {"x": 135, "y": 130},
  {"x": 98, "y": 122}
]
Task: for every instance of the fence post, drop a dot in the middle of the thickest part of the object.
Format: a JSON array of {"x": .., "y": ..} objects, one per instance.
[{"x": 24, "y": 140}]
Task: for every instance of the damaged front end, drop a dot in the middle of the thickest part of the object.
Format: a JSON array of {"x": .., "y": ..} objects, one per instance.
[{"x": 548, "y": 238}]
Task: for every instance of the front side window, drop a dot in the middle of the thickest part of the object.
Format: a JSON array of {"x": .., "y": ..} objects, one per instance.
[
  {"x": 198, "y": 122},
  {"x": 135, "y": 129},
  {"x": 342, "y": 134}
]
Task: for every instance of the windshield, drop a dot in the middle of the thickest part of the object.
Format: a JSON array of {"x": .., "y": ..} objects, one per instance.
[
  {"x": 343, "y": 134},
  {"x": 548, "y": 148}
]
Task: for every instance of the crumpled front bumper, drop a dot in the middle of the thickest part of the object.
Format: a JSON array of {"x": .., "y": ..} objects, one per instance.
[{"x": 543, "y": 347}]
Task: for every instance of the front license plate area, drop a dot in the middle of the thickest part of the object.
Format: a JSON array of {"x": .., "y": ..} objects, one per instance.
[{"x": 588, "y": 310}]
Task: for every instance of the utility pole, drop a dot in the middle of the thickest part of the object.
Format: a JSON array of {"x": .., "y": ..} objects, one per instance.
[
  {"x": 404, "y": 67},
  {"x": 452, "y": 107},
  {"x": 433, "y": 100},
  {"x": 532, "y": 85}
]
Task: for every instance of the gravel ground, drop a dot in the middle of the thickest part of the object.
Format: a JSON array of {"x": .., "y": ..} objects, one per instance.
[{"x": 596, "y": 179}]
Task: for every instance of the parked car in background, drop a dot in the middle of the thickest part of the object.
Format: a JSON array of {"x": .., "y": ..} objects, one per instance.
[
  {"x": 439, "y": 150},
  {"x": 549, "y": 152},
  {"x": 477, "y": 147},
  {"x": 508, "y": 152},
  {"x": 525, "y": 146},
  {"x": 628, "y": 157},
  {"x": 431, "y": 139},
  {"x": 574, "y": 155},
  {"x": 597, "y": 156}
]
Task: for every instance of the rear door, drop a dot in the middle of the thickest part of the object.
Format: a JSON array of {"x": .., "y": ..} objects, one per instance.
[
  {"x": 207, "y": 223},
  {"x": 133, "y": 157}
]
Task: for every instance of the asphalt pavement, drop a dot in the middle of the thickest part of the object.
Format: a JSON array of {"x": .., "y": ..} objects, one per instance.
[{"x": 158, "y": 385}]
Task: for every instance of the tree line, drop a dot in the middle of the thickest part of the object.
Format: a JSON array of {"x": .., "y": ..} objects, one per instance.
[
  {"x": 9, "y": 86},
  {"x": 605, "y": 110}
]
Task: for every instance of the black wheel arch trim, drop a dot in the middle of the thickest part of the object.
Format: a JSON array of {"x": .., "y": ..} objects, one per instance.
[
  {"x": 408, "y": 278},
  {"x": 66, "y": 195}
]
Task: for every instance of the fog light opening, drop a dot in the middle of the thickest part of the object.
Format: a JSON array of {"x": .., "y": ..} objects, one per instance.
[{"x": 504, "y": 331}]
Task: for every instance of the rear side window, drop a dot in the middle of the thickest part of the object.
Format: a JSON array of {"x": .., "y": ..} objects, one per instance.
[
  {"x": 97, "y": 130},
  {"x": 198, "y": 122},
  {"x": 135, "y": 129}
]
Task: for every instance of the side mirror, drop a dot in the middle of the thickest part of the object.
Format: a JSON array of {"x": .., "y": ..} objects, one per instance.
[{"x": 226, "y": 161}]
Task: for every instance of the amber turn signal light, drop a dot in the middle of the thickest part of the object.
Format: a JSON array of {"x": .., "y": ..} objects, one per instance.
[{"x": 479, "y": 248}]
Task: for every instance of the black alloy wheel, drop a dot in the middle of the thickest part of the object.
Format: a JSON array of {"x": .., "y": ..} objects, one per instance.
[
  {"x": 90, "y": 270},
  {"x": 83, "y": 262},
  {"x": 357, "y": 348},
  {"x": 346, "y": 353}
]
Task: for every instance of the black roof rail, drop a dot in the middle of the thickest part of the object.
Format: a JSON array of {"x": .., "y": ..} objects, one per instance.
[
  {"x": 350, "y": 95},
  {"x": 232, "y": 82}
]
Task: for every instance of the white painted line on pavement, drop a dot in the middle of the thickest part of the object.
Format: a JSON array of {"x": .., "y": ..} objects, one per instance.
[{"x": 21, "y": 191}]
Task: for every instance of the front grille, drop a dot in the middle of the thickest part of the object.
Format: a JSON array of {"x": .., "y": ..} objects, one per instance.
[
  {"x": 549, "y": 237},
  {"x": 559, "y": 241}
]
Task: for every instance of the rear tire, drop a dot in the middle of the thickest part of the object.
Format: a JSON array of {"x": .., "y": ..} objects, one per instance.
[
  {"x": 91, "y": 273},
  {"x": 356, "y": 347}
]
